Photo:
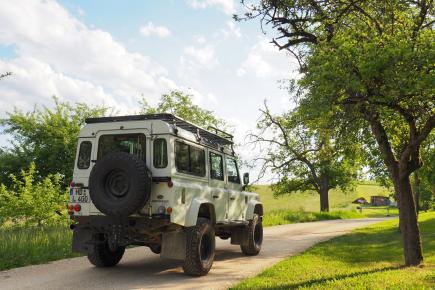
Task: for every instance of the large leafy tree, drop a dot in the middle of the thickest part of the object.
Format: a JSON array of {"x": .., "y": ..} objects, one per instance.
[
  {"x": 181, "y": 104},
  {"x": 304, "y": 158},
  {"x": 45, "y": 136},
  {"x": 371, "y": 62}
]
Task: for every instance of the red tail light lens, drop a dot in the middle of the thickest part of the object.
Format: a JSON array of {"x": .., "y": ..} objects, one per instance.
[
  {"x": 70, "y": 207},
  {"x": 170, "y": 183},
  {"x": 77, "y": 207}
]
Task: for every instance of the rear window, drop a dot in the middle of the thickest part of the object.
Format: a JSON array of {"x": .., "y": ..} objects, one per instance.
[
  {"x": 129, "y": 143},
  {"x": 189, "y": 159},
  {"x": 84, "y": 159},
  {"x": 160, "y": 158}
]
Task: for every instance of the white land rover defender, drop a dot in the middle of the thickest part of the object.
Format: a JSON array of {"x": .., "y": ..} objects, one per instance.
[{"x": 159, "y": 181}]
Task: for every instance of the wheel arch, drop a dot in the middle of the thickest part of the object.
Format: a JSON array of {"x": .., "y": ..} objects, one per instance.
[
  {"x": 254, "y": 207},
  {"x": 200, "y": 208}
]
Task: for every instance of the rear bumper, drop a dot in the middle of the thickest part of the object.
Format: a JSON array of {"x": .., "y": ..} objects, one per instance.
[{"x": 90, "y": 230}]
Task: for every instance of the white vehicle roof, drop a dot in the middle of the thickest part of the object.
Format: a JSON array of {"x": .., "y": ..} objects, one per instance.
[{"x": 159, "y": 124}]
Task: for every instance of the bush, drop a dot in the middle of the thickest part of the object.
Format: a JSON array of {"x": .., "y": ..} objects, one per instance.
[{"x": 30, "y": 202}]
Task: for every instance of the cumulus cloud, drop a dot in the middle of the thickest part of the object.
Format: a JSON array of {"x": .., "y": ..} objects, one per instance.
[
  {"x": 227, "y": 6},
  {"x": 195, "y": 59},
  {"x": 265, "y": 61},
  {"x": 56, "y": 54},
  {"x": 231, "y": 30},
  {"x": 150, "y": 30}
]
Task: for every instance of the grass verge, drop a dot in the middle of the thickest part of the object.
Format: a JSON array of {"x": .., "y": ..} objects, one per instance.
[
  {"x": 282, "y": 217},
  {"x": 21, "y": 246},
  {"x": 368, "y": 258}
]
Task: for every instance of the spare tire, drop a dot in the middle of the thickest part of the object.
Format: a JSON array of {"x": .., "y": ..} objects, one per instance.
[{"x": 119, "y": 184}]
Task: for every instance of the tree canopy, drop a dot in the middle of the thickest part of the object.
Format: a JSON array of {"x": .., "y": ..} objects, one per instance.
[
  {"x": 46, "y": 137},
  {"x": 180, "y": 103},
  {"x": 367, "y": 65},
  {"x": 304, "y": 158}
]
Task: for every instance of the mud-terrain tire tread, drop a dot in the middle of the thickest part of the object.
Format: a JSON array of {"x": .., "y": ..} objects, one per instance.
[
  {"x": 137, "y": 198},
  {"x": 192, "y": 264},
  {"x": 103, "y": 257},
  {"x": 251, "y": 249}
]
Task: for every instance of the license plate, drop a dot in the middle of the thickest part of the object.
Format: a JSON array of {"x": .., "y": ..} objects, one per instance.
[{"x": 79, "y": 195}]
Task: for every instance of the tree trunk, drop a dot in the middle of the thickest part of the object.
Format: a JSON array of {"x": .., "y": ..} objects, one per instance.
[
  {"x": 408, "y": 222},
  {"x": 324, "y": 194},
  {"x": 417, "y": 190},
  {"x": 400, "y": 173}
]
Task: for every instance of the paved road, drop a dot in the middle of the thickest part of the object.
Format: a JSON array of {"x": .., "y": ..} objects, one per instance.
[{"x": 141, "y": 269}]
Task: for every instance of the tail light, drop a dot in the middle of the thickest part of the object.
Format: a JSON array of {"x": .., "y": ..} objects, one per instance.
[
  {"x": 77, "y": 207},
  {"x": 170, "y": 183}
]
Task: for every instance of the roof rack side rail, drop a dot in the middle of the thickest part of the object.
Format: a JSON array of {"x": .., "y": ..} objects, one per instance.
[{"x": 224, "y": 134}]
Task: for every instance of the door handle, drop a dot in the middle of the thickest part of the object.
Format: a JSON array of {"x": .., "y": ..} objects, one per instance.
[
  {"x": 215, "y": 196},
  {"x": 232, "y": 197}
]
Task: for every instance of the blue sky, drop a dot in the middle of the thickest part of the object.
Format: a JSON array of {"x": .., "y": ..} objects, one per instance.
[{"x": 111, "y": 52}]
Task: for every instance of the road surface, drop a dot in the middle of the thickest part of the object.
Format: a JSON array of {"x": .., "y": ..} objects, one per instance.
[{"x": 141, "y": 269}]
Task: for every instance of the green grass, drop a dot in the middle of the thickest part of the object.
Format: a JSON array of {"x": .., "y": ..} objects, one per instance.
[
  {"x": 310, "y": 201},
  {"x": 368, "y": 258},
  {"x": 22, "y": 246},
  {"x": 304, "y": 206}
]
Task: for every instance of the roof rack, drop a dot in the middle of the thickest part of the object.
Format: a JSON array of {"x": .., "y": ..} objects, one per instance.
[{"x": 219, "y": 137}]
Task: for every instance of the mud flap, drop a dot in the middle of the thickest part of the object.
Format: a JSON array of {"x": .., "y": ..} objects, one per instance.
[
  {"x": 82, "y": 240},
  {"x": 174, "y": 245},
  {"x": 239, "y": 236}
]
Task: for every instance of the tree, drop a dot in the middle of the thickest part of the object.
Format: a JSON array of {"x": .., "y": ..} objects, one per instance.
[
  {"x": 46, "y": 137},
  {"x": 3, "y": 75},
  {"x": 369, "y": 61},
  {"x": 180, "y": 103},
  {"x": 302, "y": 157}
]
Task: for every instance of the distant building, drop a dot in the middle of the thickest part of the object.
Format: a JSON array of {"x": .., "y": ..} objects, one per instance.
[{"x": 377, "y": 200}]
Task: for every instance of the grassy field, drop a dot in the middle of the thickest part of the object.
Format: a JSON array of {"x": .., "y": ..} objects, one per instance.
[
  {"x": 304, "y": 206},
  {"x": 368, "y": 258},
  {"x": 310, "y": 201},
  {"x": 26, "y": 246}
]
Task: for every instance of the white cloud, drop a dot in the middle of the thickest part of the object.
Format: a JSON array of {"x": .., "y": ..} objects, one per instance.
[
  {"x": 266, "y": 61},
  {"x": 231, "y": 30},
  {"x": 150, "y": 29},
  {"x": 58, "y": 54},
  {"x": 196, "y": 58},
  {"x": 203, "y": 56},
  {"x": 227, "y": 6}
]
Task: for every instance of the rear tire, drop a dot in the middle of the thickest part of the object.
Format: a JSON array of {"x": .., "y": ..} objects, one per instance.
[
  {"x": 254, "y": 236},
  {"x": 200, "y": 248},
  {"x": 104, "y": 257}
]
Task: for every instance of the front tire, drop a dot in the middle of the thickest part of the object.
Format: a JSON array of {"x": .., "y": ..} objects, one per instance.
[
  {"x": 103, "y": 256},
  {"x": 254, "y": 236},
  {"x": 200, "y": 248}
]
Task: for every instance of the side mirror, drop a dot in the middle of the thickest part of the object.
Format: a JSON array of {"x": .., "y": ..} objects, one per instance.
[{"x": 246, "y": 178}]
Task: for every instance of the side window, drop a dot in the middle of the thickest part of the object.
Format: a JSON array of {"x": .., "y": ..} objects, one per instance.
[
  {"x": 189, "y": 159},
  {"x": 84, "y": 159},
  {"x": 216, "y": 166},
  {"x": 182, "y": 157},
  {"x": 232, "y": 171},
  {"x": 160, "y": 158}
]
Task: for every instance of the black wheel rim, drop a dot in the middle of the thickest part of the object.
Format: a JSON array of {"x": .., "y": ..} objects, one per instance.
[
  {"x": 117, "y": 183},
  {"x": 258, "y": 235},
  {"x": 206, "y": 248}
]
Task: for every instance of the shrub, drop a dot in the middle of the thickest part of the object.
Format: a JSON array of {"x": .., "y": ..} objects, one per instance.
[{"x": 31, "y": 202}]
